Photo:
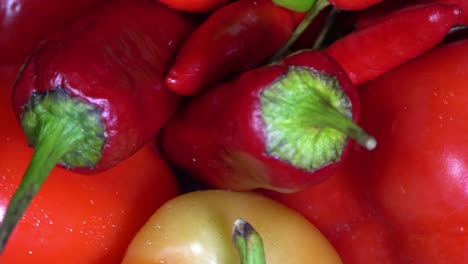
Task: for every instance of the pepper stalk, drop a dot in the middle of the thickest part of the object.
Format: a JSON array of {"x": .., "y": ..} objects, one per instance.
[
  {"x": 313, "y": 8},
  {"x": 63, "y": 130},
  {"x": 248, "y": 242}
]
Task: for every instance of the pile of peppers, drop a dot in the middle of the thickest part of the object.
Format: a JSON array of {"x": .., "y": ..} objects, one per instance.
[{"x": 350, "y": 114}]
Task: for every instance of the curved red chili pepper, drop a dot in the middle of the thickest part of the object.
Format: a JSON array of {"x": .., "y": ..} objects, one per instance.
[
  {"x": 371, "y": 51},
  {"x": 93, "y": 94},
  {"x": 266, "y": 129},
  {"x": 234, "y": 38},
  {"x": 380, "y": 11}
]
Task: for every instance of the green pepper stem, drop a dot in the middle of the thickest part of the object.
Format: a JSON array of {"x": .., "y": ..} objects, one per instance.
[
  {"x": 295, "y": 5},
  {"x": 308, "y": 118},
  {"x": 248, "y": 243},
  {"x": 325, "y": 116},
  {"x": 318, "y": 44},
  {"x": 62, "y": 129},
  {"x": 52, "y": 143},
  {"x": 309, "y": 17}
]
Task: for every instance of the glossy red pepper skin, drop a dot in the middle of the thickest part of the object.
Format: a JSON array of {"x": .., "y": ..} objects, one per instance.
[
  {"x": 24, "y": 23},
  {"x": 380, "y": 11},
  {"x": 463, "y": 20},
  {"x": 233, "y": 39},
  {"x": 406, "y": 201},
  {"x": 114, "y": 59},
  {"x": 195, "y": 6},
  {"x": 373, "y": 50},
  {"x": 353, "y": 4},
  {"x": 219, "y": 136}
]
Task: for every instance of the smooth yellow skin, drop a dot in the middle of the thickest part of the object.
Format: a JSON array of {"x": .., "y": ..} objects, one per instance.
[{"x": 196, "y": 228}]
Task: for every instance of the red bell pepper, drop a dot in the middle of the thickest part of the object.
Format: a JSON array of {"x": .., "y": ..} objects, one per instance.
[
  {"x": 91, "y": 95},
  {"x": 373, "y": 50},
  {"x": 233, "y": 39},
  {"x": 406, "y": 201},
  {"x": 280, "y": 127},
  {"x": 24, "y": 23}
]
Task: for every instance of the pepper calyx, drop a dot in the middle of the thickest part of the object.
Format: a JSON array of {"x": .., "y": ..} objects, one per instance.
[
  {"x": 62, "y": 129},
  {"x": 83, "y": 133},
  {"x": 308, "y": 118}
]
